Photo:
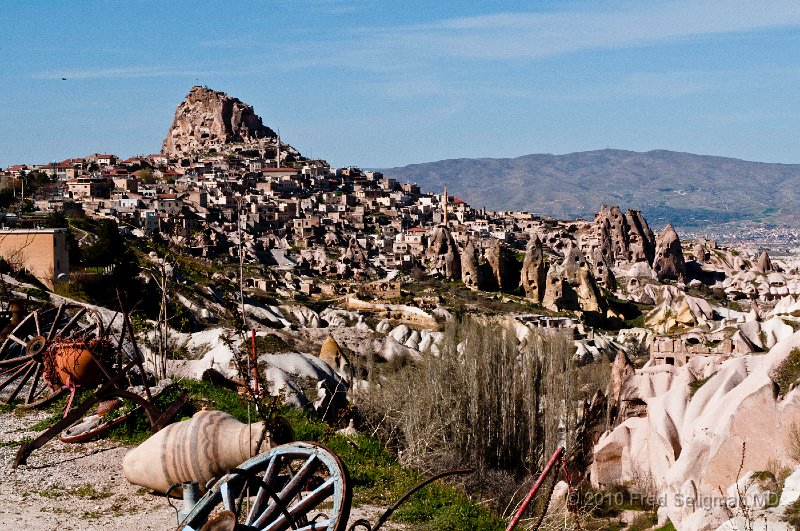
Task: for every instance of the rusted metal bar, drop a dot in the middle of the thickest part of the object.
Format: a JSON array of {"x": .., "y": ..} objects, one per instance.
[
  {"x": 26, "y": 449},
  {"x": 518, "y": 516}
]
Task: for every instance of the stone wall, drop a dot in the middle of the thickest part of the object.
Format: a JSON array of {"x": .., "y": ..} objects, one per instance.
[{"x": 678, "y": 351}]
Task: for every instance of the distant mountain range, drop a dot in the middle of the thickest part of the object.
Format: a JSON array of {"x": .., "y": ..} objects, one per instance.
[{"x": 689, "y": 191}]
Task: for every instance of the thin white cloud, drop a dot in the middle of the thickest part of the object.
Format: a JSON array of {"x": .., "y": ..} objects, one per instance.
[
  {"x": 507, "y": 36},
  {"x": 231, "y": 43},
  {"x": 663, "y": 84},
  {"x": 131, "y": 72}
]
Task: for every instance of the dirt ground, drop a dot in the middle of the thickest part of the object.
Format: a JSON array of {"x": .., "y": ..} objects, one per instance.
[{"x": 80, "y": 487}]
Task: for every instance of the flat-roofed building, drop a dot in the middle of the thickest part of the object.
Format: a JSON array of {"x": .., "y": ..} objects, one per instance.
[{"x": 41, "y": 252}]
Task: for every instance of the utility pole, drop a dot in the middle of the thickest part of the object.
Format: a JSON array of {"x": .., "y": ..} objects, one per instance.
[
  {"x": 241, "y": 262},
  {"x": 160, "y": 277},
  {"x": 444, "y": 202},
  {"x": 278, "y": 149}
]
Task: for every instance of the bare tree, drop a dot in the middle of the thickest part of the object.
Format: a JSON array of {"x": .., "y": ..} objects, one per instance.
[
  {"x": 486, "y": 399},
  {"x": 161, "y": 272}
]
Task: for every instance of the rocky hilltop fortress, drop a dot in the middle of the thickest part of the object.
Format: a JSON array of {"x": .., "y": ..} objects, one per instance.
[{"x": 208, "y": 121}]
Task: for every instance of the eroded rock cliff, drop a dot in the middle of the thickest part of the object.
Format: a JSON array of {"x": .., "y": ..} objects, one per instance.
[{"x": 207, "y": 119}]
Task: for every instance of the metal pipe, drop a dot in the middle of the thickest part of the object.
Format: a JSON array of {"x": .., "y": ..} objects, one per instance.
[
  {"x": 191, "y": 494},
  {"x": 535, "y": 488}
]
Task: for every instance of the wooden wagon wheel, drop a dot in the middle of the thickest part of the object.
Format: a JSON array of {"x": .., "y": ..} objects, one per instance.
[
  {"x": 285, "y": 488},
  {"x": 22, "y": 363}
]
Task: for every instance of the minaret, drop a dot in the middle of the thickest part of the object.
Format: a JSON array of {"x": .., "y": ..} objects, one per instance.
[{"x": 444, "y": 203}]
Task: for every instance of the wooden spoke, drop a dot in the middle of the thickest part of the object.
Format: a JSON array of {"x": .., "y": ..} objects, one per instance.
[
  {"x": 263, "y": 496},
  {"x": 286, "y": 497},
  {"x": 54, "y": 325},
  {"x": 15, "y": 361},
  {"x": 21, "y": 369},
  {"x": 302, "y": 507},
  {"x": 66, "y": 328},
  {"x": 22, "y": 382},
  {"x": 36, "y": 377},
  {"x": 17, "y": 340}
]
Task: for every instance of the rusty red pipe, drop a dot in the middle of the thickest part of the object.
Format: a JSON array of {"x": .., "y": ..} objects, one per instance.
[{"x": 535, "y": 488}]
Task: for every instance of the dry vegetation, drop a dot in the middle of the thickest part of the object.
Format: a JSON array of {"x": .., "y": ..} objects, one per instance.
[{"x": 487, "y": 401}]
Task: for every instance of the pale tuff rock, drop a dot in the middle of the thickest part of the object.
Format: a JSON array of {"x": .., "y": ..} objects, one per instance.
[
  {"x": 691, "y": 441},
  {"x": 503, "y": 266},
  {"x": 491, "y": 269},
  {"x": 791, "y": 488},
  {"x": 470, "y": 268},
  {"x": 621, "y": 370},
  {"x": 285, "y": 372},
  {"x": 355, "y": 254},
  {"x": 642, "y": 241},
  {"x": 209, "y": 119},
  {"x": 624, "y": 238},
  {"x": 679, "y": 312},
  {"x": 764, "y": 264},
  {"x": 754, "y": 490},
  {"x": 332, "y": 354},
  {"x": 603, "y": 269},
  {"x": 534, "y": 271},
  {"x": 305, "y": 317},
  {"x": 442, "y": 254},
  {"x": 331, "y": 239},
  {"x": 571, "y": 286},
  {"x": 668, "y": 262},
  {"x": 558, "y": 294},
  {"x": 639, "y": 291},
  {"x": 699, "y": 252},
  {"x": 337, "y": 318}
]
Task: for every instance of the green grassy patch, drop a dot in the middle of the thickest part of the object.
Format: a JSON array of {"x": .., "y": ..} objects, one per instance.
[
  {"x": 89, "y": 492},
  {"x": 791, "y": 515},
  {"x": 379, "y": 479},
  {"x": 788, "y": 372},
  {"x": 8, "y": 444},
  {"x": 272, "y": 344},
  {"x": 201, "y": 394},
  {"x": 643, "y": 522},
  {"x": 56, "y": 410},
  {"x": 697, "y": 384}
]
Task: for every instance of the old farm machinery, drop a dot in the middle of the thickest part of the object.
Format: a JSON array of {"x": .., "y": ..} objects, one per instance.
[
  {"x": 57, "y": 351},
  {"x": 301, "y": 485}
]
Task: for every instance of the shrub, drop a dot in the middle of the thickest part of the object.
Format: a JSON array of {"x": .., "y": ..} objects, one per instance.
[
  {"x": 788, "y": 372},
  {"x": 486, "y": 401},
  {"x": 697, "y": 384},
  {"x": 643, "y": 522},
  {"x": 793, "y": 442},
  {"x": 791, "y": 515}
]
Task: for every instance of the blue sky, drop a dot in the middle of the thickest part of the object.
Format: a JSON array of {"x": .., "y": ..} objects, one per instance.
[{"x": 384, "y": 83}]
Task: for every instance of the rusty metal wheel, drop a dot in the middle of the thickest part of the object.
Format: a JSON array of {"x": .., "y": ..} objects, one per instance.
[
  {"x": 22, "y": 354},
  {"x": 300, "y": 485}
]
